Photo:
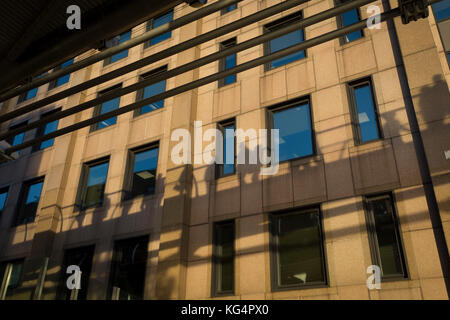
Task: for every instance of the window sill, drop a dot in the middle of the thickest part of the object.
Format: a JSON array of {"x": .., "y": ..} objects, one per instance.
[
  {"x": 301, "y": 287},
  {"x": 370, "y": 145},
  {"x": 342, "y": 46},
  {"x": 227, "y": 178},
  {"x": 156, "y": 45}
]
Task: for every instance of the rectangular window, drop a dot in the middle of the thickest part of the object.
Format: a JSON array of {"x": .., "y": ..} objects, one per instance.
[
  {"x": 106, "y": 107},
  {"x": 228, "y": 165},
  {"x": 349, "y": 18},
  {"x": 127, "y": 277},
  {"x": 114, "y": 42},
  {"x": 61, "y": 80},
  {"x": 441, "y": 10},
  {"x": 384, "y": 235},
  {"x": 10, "y": 277},
  {"x": 150, "y": 91},
  {"x": 223, "y": 259},
  {"x": 298, "y": 257},
  {"x": 29, "y": 201},
  {"x": 364, "y": 112},
  {"x": 158, "y": 22},
  {"x": 228, "y": 63},
  {"x": 229, "y": 8},
  {"x": 141, "y": 177},
  {"x": 19, "y": 138},
  {"x": 3, "y": 197},
  {"x": 283, "y": 42},
  {"x": 47, "y": 129},
  {"x": 28, "y": 95},
  {"x": 82, "y": 258},
  {"x": 295, "y": 129},
  {"x": 93, "y": 182}
]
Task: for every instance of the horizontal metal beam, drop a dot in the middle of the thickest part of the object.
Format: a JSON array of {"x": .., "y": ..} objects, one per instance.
[
  {"x": 198, "y": 14},
  {"x": 156, "y": 57},
  {"x": 330, "y": 13},
  {"x": 209, "y": 79}
]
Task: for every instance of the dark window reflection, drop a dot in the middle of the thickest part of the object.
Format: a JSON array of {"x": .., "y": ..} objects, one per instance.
[
  {"x": 30, "y": 196},
  {"x": 145, "y": 164},
  {"x": 228, "y": 166},
  {"x": 3, "y": 197},
  {"x": 95, "y": 184},
  {"x": 224, "y": 258},
  {"x": 11, "y": 277}
]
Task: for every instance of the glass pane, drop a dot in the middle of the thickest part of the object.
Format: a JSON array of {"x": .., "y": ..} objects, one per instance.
[
  {"x": 388, "y": 245},
  {"x": 366, "y": 113},
  {"x": 225, "y": 263},
  {"x": 231, "y": 8},
  {"x": 348, "y": 18},
  {"x": 96, "y": 185},
  {"x": 64, "y": 79},
  {"x": 230, "y": 62},
  {"x": 128, "y": 268},
  {"x": 151, "y": 91},
  {"x": 108, "y": 107},
  {"x": 441, "y": 10},
  {"x": 16, "y": 274},
  {"x": 29, "y": 208},
  {"x": 160, "y": 21},
  {"x": 295, "y": 132},
  {"x": 300, "y": 249},
  {"x": 31, "y": 94},
  {"x": 3, "y": 196},
  {"x": 284, "y": 42},
  {"x": 49, "y": 128},
  {"x": 229, "y": 150},
  {"x": 144, "y": 173},
  {"x": 122, "y": 38}
]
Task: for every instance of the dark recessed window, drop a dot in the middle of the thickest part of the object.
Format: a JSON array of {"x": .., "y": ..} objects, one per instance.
[
  {"x": 10, "y": 277},
  {"x": 228, "y": 165},
  {"x": 229, "y": 8},
  {"x": 298, "y": 257},
  {"x": 141, "y": 174},
  {"x": 295, "y": 129},
  {"x": 150, "y": 91},
  {"x": 223, "y": 259},
  {"x": 45, "y": 130},
  {"x": 19, "y": 138},
  {"x": 158, "y": 22},
  {"x": 128, "y": 268},
  {"x": 81, "y": 257},
  {"x": 385, "y": 237},
  {"x": 228, "y": 62},
  {"x": 106, "y": 107},
  {"x": 93, "y": 182},
  {"x": 364, "y": 112},
  {"x": 349, "y": 18},
  {"x": 28, "y": 95},
  {"x": 61, "y": 80},
  {"x": 29, "y": 201},
  {"x": 285, "y": 41},
  {"x": 3, "y": 197},
  {"x": 114, "y": 42}
]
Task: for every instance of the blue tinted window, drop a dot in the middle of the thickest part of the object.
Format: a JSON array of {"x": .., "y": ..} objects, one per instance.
[
  {"x": 3, "y": 196},
  {"x": 286, "y": 41},
  {"x": 348, "y": 18},
  {"x": 19, "y": 138},
  {"x": 228, "y": 150},
  {"x": 49, "y": 128},
  {"x": 228, "y": 63},
  {"x": 95, "y": 187},
  {"x": 448, "y": 58},
  {"x": 144, "y": 172},
  {"x": 295, "y": 131},
  {"x": 230, "y": 8},
  {"x": 366, "y": 115},
  {"x": 151, "y": 91},
  {"x": 64, "y": 79},
  {"x": 160, "y": 21},
  {"x": 30, "y": 202},
  {"x": 31, "y": 94},
  {"x": 116, "y": 41},
  {"x": 108, "y": 107},
  {"x": 441, "y": 10}
]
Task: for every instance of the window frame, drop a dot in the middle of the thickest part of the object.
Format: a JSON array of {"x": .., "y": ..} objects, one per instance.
[
  {"x": 140, "y": 92},
  {"x": 215, "y": 260},
  {"x": 4, "y": 190},
  {"x": 353, "y": 106},
  {"x": 4, "y": 290},
  {"x": 340, "y": 23},
  {"x": 108, "y": 60},
  {"x": 40, "y": 131},
  {"x": 54, "y": 83},
  {"x": 98, "y": 108},
  {"x": 150, "y": 26},
  {"x": 24, "y": 190},
  {"x": 221, "y": 126},
  {"x": 267, "y": 28},
  {"x": 82, "y": 186},
  {"x": 128, "y": 179},
  {"x": 222, "y": 62},
  {"x": 373, "y": 239},
  {"x": 274, "y": 253}
]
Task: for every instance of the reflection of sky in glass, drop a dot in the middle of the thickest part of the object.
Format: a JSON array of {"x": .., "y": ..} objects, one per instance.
[
  {"x": 123, "y": 37},
  {"x": 348, "y": 18},
  {"x": 160, "y": 21},
  {"x": 97, "y": 174},
  {"x": 284, "y": 42},
  {"x": 3, "y": 195},
  {"x": 295, "y": 132},
  {"x": 108, "y": 107},
  {"x": 365, "y": 108},
  {"x": 230, "y": 62},
  {"x": 146, "y": 161},
  {"x": 228, "y": 150},
  {"x": 231, "y": 8},
  {"x": 64, "y": 79},
  {"x": 151, "y": 91},
  {"x": 49, "y": 128},
  {"x": 34, "y": 193},
  {"x": 31, "y": 94},
  {"x": 441, "y": 10}
]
